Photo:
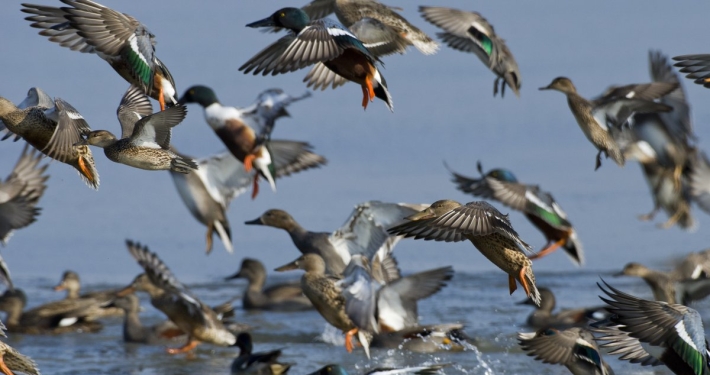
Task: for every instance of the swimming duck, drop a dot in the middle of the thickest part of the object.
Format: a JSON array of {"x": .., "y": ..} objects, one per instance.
[
  {"x": 51, "y": 318},
  {"x": 12, "y": 360},
  {"x": 36, "y": 97},
  {"x": 543, "y": 317},
  {"x": 39, "y": 127},
  {"x": 335, "y": 369},
  {"x": 119, "y": 39},
  {"x": 395, "y": 303},
  {"x": 71, "y": 283},
  {"x": 20, "y": 193},
  {"x": 539, "y": 207},
  {"x": 342, "y": 52},
  {"x": 247, "y": 133},
  {"x": 696, "y": 67},
  {"x": 262, "y": 363},
  {"x": 278, "y": 297},
  {"x": 363, "y": 232},
  {"x": 430, "y": 338},
  {"x": 145, "y": 139},
  {"x": 487, "y": 228},
  {"x": 323, "y": 292},
  {"x": 573, "y": 348},
  {"x": 653, "y": 332},
  {"x": 375, "y": 307},
  {"x": 470, "y": 32},
  {"x": 135, "y": 332},
  {"x": 670, "y": 287},
  {"x": 600, "y": 117},
  {"x": 168, "y": 295}
]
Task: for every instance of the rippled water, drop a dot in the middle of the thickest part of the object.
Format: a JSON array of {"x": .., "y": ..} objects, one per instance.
[
  {"x": 444, "y": 110},
  {"x": 480, "y": 301}
]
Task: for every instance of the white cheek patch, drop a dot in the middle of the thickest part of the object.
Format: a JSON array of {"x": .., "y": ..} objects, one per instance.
[{"x": 66, "y": 322}]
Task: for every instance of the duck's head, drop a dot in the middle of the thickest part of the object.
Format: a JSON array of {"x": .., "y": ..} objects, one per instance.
[
  {"x": 502, "y": 175},
  {"x": 244, "y": 343},
  {"x": 562, "y": 84},
  {"x": 290, "y": 18},
  {"x": 12, "y": 299},
  {"x": 6, "y": 106},
  {"x": 436, "y": 209},
  {"x": 251, "y": 269},
  {"x": 141, "y": 283},
  {"x": 98, "y": 138},
  {"x": 200, "y": 94},
  {"x": 128, "y": 303},
  {"x": 332, "y": 369},
  {"x": 547, "y": 300},
  {"x": 70, "y": 282},
  {"x": 633, "y": 269},
  {"x": 274, "y": 218},
  {"x": 306, "y": 262}
]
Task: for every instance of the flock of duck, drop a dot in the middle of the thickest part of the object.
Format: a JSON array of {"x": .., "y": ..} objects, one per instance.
[{"x": 351, "y": 276}]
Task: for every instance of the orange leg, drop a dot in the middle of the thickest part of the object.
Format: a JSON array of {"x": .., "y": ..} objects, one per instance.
[
  {"x": 370, "y": 90},
  {"x": 191, "y": 344},
  {"x": 349, "y": 339},
  {"x": 255, "y": 187},
  {"x": 3, "y": 367},
  {"x": 161, "y": 98},
  {"x": 249, "y": 162},
  {"x": 548, "y": 249},
  {"x": 511, "y": 284},
  {"x": 85, "y": 170},
  {"x": 364, "y": 97},
  {"x": 524, "y": 283}
]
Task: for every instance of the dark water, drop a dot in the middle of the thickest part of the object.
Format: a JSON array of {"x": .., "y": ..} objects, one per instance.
[{"x": 444, "y": 110}]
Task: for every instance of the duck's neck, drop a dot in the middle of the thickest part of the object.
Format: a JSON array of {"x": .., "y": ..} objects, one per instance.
[
  {"x": 256, "y": 282},
  {"x": 132, "y": 328},
  {"x": 14, "y": 313},
  {"x": 73, "y": 293}
]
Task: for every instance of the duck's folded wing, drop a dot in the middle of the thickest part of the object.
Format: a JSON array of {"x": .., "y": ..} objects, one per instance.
[
  {"x": 70, "y": 129},
  {"x": 56, "y": 27},
  {"x": 154, "y": 131},
  {"x": 134, "y": 106}
]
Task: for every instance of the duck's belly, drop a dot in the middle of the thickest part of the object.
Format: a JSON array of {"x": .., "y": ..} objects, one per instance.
[
  {"x": 502, "y": 252},
  {"x": 351, "y": 65},
  {"x": 149, "y": 159}
]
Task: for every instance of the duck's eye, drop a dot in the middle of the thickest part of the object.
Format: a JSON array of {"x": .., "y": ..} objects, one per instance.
[
  {"x": 192, "y": 92},
  {"x": 282, "y": 14}
]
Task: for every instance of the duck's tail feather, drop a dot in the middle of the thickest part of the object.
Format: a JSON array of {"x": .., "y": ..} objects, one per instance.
[{"x": 182, "y": 164}]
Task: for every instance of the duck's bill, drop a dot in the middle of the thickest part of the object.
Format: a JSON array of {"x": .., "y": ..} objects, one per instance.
[
  {"x": 266, "y": 22},
  {"x": 526, "y": 301},
  {"x": 426, "y": 214},
  {"x": 288, "y": 267},
  {"x": 59, "y": 287},
  {"x": 126, "y": 291},
  {"x": 256, "y": 221},
  {"x": 235, "y": 276},
  {"x": 544, "y": 88}
]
